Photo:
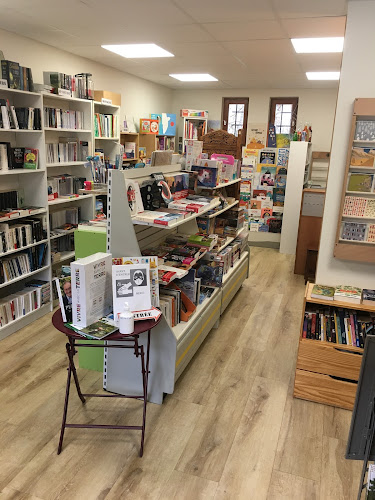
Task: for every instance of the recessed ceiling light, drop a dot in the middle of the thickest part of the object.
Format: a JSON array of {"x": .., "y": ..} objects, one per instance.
[
  {"x": 323, "y": 75},
  {"x": 194, "y": 77},
  {"x": 136, "y": 50},
  {"x": 318, "y": 45}
]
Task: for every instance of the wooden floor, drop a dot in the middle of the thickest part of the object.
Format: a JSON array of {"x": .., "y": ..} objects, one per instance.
[{"x": 231, "y": 430}]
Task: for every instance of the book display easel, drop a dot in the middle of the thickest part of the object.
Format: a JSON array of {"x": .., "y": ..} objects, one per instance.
[
  {"x": 327, "y": 372},
  {"x": 172, "y": 347},
  {"x": 355, "y": 237},
  {"x": 26, "y": 190}
]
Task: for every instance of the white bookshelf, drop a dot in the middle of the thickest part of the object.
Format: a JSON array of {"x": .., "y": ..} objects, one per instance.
[
  {"x": 32, "y": 186},
  {"x": 110, "y": 145},
  {"x": 171, "y": 348}
]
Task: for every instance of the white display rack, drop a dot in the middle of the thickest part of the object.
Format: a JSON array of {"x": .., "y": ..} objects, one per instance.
[
  {"x": 222, "y": 185},
  {"x": 66, "y": 164},
  {"x": 59, "y": 201},
  {"x": 33, "y": 186},
  {"x": 228, "y": 207},
  {"x": 171, "y": 348}
]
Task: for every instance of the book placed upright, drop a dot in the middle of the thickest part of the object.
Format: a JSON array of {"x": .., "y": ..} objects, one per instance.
[
  {"x": 368, "y": 297},
  {"x": 91, "y": 288},
  {"x": 323, "y": 292},
  {"x": 349, "y": 294}
]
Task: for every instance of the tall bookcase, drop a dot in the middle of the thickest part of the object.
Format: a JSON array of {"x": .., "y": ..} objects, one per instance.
[
  {"x": 362, "y": 251},
  {"x": 171, "y": 348},
  {"x": 32, "y": 187}
]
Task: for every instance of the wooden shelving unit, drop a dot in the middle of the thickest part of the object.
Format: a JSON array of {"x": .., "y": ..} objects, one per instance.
[
  {"x": 328, "y": 372},
  {"x": 131, "y": 137},
  {"x": 364, "y": 109}
]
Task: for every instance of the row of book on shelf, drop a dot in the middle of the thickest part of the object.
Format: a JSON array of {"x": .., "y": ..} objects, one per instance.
[
  {"x": 23, "y": 263},
  {"x": 18, "y": 77},
  {"x": 18, "y": 157},
  {"x": 63, "y": 119},
  {"x": 262, "y": 189},
  {"x": 14, "y": 236},
  {"x": 19, "y": 118},
  {"x": 34, "y": 295},
  {"x": 339, "y": 325},
  {"x": 67, "y": 149},
  {"x": 64, "y": 186},
  {"x": 106, "y": 125}
]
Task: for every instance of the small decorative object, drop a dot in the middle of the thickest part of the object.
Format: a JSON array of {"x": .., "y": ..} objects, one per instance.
[{"x": 126, "y": 321}]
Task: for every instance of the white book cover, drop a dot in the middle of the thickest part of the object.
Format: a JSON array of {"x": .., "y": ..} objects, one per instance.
[
  {"x": 91, "y": 288},
  {"x": 131, "y": 284}
]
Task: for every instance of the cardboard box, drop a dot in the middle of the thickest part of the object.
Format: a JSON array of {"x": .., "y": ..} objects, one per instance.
[{"x": 106, "y": 94}]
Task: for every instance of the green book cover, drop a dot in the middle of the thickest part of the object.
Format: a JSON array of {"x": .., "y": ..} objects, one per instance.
[
  {"x": 31, "y": 159},
  {"x": 361, "y": 182},
  {"x": 323, "y": 292}
]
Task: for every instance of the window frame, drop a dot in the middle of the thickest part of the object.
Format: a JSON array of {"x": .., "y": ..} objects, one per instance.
[
  {"x": 284, "y": 100},
  {"x": 225, "y": 111}
]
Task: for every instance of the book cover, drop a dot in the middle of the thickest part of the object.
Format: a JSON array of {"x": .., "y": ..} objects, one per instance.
[
  {"x": 283, "y": 140},
  {"x": 356, "y": 206},
  {"x": 211, "y": 273},
  {"x": 362, "y": 157},
  {"x": 167, "y": 124},
  {"x": 91, "y": 288},
  {"x": 267, "y": 157},
  {"x": 64, "y": 292},
  {"x": 257, "y": 135},
  {"x": 348, "y": 293},
  {"x": 353, "y": 231},
  {"x": 360, "y": 182},
  {"x": 131, "y": 284},
  {"x": 31, "y": 159},
  {"x": 323, "y": 292},
  {"x": 365, "y": 131},
  {"x": 178, "y": 185},
  {"x": 371, "y": 233},
  {"x": 282, "y": 157},
  {"x": 278, "y": 197},
  {"x": 267, "y": 175},
  {"x": 266, "y": 212},
  {"x": 370, "y": 208},
  {"x": 368, "y": 297}
]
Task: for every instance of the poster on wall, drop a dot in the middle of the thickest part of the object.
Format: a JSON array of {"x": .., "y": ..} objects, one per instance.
[{"x": 257, "y": 133}]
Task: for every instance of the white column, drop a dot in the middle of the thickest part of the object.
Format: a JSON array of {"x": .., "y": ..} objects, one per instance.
[{"x": 357, "y": 80}]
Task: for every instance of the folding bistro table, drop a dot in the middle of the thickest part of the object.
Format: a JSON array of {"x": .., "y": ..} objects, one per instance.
[{"x": 122, "y": 341}]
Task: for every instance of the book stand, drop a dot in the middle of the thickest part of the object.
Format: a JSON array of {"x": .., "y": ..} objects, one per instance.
[{"x": 119, "y": 339}]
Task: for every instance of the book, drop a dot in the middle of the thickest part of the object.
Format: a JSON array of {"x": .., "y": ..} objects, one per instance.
[
  {"x": 31, "y": 159},
  {"x": 368, "y": 297},
  {"x": 360, "y": 182},
  {"x": 362, "y": 157},
  {"x": 131, "y": 284},
  {"x": 348, "y": 294},
  {"x": 97, "y": 331},
  {"x": 268, "y": 157},
  {"x": 91, "y": 288},
  {"x": 364, "y": 131},
  {"x": 64, "y": 292},
  {"x": 353, "y": 231},
  {"x": 322, "y": 292}
]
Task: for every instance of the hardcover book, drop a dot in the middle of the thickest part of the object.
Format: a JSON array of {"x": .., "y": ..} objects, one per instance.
[
  {"x": 348, "y": 294},
  {"x": 91, "y": 288},
  {"x": 268, "y": 157}
]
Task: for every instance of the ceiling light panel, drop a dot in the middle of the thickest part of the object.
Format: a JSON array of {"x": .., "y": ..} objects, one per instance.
[
  {"x": 323, "y": 75},
  {"x": 138, "y": 50},
  {"x": 194, "y": 77},
  {"x": 318, "y": 45}
]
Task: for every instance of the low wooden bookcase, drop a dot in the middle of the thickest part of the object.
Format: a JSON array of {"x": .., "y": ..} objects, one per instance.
[{"x": 327, "y": 372}]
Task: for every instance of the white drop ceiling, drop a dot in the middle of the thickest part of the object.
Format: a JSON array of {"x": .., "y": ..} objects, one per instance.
[{"x": 243, "y": 43}]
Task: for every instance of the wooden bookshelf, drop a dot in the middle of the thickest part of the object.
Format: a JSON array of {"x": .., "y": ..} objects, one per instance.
[
  {"x": 364, "y": 109},
  {"x": 327, "y": 372}
]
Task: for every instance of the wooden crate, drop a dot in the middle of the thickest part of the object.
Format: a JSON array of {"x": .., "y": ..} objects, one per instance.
[{"x": 327, "y": 372}]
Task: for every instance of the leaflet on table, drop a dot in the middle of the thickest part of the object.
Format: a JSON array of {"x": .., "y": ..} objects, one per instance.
[
  {"x": 153, "y": 262},
  {"x": 131, "y": 284}
]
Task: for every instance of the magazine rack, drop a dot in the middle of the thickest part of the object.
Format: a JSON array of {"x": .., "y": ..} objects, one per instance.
[
  {"x": 362, "y": 251},
  {"x": 171, "y": 348}
]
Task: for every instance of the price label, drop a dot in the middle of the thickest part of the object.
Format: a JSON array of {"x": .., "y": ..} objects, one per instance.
[
  {"x": 64, "y": 92},
  {"x": 3, "y": 84},
  {"x": 106, "y": 101}
]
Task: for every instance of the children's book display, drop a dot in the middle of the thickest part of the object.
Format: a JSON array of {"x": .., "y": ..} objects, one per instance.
[{"x": 262, "y": 188}]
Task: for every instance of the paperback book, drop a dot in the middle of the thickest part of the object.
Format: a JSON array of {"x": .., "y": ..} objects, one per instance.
[{"x": 360, "y": 182}]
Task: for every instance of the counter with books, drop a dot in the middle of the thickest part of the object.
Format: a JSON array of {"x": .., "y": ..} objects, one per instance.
[
  {"x": 221, "y": 267},
  {"x": 335, "y": 323}
]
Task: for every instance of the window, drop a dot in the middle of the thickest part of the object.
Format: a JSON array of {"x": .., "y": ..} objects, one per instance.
[
  {"x": 283, "y": 114},
  {"x": 235, "y": 114}
]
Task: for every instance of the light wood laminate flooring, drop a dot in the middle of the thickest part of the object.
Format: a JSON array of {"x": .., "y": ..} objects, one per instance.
[{"x": 231, "y": 430}]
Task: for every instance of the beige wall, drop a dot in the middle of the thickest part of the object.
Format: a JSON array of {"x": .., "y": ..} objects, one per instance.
[
  {"x": 139, "y": 97},
  {"x": 316, "y": 107}
]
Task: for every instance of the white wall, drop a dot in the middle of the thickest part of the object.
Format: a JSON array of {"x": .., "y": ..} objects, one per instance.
[
  {"x": 316, "y": 107},
  {"x": 358, "y": 51},
  {"x": 139, "y": 97}
]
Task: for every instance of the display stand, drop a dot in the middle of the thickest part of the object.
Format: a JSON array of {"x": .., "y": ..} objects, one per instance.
[{"x": 172, "y": 348}]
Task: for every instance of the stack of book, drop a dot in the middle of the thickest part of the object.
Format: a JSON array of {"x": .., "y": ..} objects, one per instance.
[{"x": 63, "y": 119}]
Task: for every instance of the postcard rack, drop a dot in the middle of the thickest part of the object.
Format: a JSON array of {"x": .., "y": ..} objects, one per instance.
[
  {"x": 171, "y": 348},
  {"x": 362, "y": 251}
]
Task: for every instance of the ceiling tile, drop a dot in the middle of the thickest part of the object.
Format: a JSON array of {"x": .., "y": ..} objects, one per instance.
[
  {"x": 314, "y": 27},
  {"x": 262, "y": 29},
  {"x": 217, "y": 11},
  {"x": 320, "y": 62},
  {"x": 314, "y": 8}
]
